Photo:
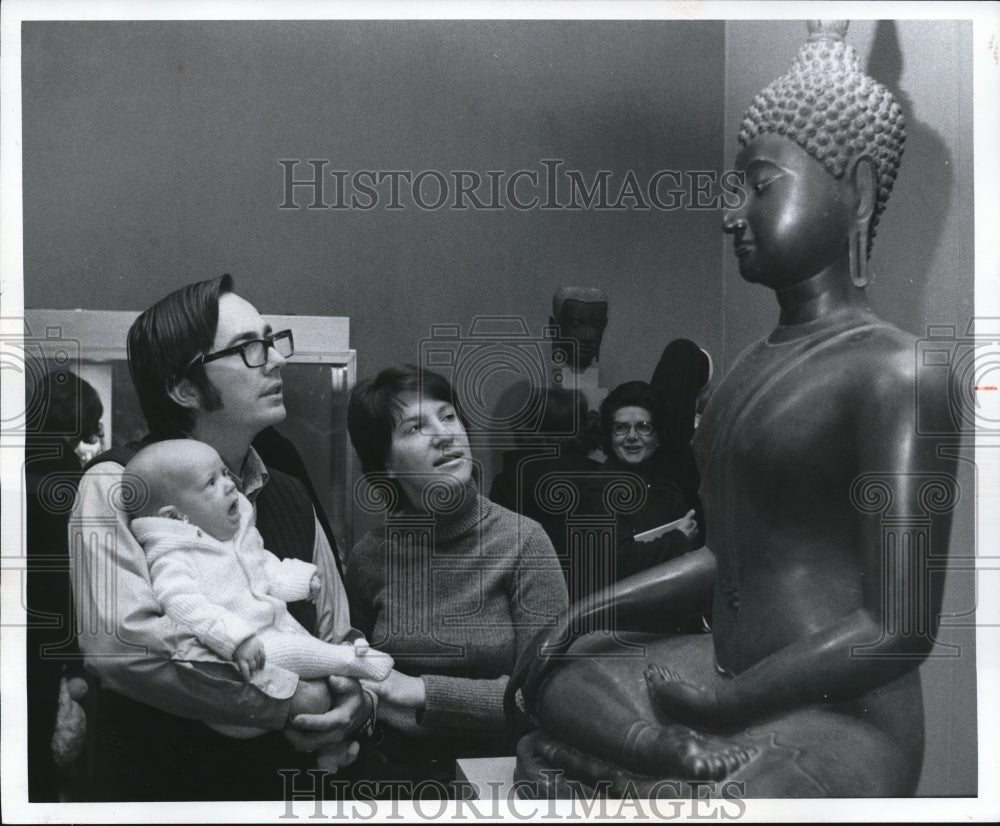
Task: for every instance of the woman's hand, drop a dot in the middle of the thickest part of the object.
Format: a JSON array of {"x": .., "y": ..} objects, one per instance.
[
  {"x": 401, "y": 689},
  {"x": 688, "y": 525}
]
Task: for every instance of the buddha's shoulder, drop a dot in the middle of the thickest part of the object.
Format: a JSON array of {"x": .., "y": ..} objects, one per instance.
[
  {"x": 868, "y": 356},
  {"x": 865, "y": 338},
  {"x": 876, "y": 363},
  {"x": 876, "y": 345}
]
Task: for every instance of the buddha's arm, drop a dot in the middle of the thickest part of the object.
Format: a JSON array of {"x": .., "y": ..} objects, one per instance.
[
  {"x": 892, "y": 629},
  {"x": 653, "y": 599}
]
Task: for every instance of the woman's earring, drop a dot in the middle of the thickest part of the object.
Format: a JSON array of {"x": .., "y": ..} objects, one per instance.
[{"x": 858, "y": 249}]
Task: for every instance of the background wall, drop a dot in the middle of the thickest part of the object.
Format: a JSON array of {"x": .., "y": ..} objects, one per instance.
[
  {"x": 151, "y": 160},
  {"x": 151, "y": 154}
]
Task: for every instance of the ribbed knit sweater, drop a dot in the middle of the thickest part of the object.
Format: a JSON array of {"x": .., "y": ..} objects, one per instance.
[{"x": 455, "y": 599}]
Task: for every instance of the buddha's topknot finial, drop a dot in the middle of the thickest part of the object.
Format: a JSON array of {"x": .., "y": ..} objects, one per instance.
[
  {"x": 826, "y": 29},
  {"x": 832, "y": 110}
]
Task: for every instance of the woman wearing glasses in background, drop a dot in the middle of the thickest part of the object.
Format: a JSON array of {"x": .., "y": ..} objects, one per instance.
[{"x": 633, "y": 489}]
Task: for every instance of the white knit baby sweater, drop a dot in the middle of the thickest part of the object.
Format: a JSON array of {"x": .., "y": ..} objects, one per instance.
[{"x": 224, "y": 592}]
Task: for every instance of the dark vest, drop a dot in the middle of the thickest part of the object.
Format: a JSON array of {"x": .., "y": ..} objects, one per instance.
[
  {"x": 139, "y": 753},
  {"x": 285, "y": 519}
]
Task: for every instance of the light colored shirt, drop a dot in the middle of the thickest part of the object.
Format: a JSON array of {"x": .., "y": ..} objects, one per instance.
[{"x": 129, "y": 642}]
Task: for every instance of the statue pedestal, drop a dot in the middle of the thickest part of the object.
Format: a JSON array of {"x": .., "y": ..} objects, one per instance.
[{"x": 490, "y": 778}]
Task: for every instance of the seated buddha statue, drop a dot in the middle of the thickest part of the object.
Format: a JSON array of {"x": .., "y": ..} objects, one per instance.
[{"x": 824, "y": 500}]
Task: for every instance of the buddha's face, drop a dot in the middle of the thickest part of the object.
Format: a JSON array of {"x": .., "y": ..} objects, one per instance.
[{"x": 795, "y": 220}]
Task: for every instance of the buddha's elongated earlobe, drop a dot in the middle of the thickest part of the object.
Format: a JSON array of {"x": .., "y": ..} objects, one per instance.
[
  {"x": 858, "y": 243},
  {"x": 863, "y": 179}
]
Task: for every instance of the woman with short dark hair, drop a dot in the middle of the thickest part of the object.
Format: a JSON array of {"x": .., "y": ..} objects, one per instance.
[
  {"x": 632, "y": 488},
  {"x": 454, "y": 586}
]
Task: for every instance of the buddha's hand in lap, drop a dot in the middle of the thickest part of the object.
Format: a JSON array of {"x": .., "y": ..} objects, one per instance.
[{"x": 677, "y": 700}]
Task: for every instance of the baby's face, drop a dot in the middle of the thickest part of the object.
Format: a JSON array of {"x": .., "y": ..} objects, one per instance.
[{"x": 206, "y": 494}]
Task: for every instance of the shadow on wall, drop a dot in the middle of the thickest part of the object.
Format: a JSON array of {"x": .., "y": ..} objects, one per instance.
[{"x": 927, "y": 177}]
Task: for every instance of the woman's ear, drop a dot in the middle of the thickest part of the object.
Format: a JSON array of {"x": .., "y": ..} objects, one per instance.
[{"x": 184, "y": 393}]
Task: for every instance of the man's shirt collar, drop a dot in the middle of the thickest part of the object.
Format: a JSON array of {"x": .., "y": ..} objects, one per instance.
[{"x": 253, "y": 475}]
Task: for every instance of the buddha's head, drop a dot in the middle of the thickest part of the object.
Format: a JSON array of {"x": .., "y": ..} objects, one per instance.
[{"x": 820, "y": 148}]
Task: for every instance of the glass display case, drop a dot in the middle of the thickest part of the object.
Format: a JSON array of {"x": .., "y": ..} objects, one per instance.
[{"x": 317, "y": 379}]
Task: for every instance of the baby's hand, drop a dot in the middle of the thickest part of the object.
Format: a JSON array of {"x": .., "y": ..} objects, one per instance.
[
  {"x": 249, "y": 656},
  {"x": 314, "y": 587}
]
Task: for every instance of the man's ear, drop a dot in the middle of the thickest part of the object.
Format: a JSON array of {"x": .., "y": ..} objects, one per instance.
[
  {"x": 864, "y": 180},
  {"x": 170, "y": 512},
  {"x": 184, "y": 393}
]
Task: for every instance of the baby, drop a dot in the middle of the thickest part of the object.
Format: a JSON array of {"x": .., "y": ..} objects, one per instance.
[{"x": 212, "y": 575}]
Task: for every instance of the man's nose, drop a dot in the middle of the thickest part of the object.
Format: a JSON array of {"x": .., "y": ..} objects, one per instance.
[{"x": 274, "y": 358}]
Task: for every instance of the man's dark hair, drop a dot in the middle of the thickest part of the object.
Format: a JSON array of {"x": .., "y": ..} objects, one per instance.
[
  {"x": 630, "y": 394},
  {"x": 162, "y": 343},
  {"x": 375, "y": 403}
]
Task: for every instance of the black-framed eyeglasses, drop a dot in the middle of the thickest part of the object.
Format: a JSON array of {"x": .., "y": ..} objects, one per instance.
[
  {"x": 254, "y": 352},
  {"x": 623, "y": 428}
]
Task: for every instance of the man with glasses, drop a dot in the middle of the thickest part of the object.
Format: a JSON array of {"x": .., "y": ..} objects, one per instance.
[{"x": 205, "y": 366}]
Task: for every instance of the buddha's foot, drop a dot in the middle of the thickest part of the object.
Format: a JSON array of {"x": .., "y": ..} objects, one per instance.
[{"x": 673, "y": 750}]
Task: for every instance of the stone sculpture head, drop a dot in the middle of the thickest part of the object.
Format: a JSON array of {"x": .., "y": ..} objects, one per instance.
[
  {"x": 827, "y": 111},
  {"x": 581, "y": 314}
]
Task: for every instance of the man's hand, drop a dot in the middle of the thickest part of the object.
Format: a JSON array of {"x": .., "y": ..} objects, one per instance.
[
  {"x": 314, "y": 587},
  {"x": 337, "y": 756},
  {"x": 310, "y": 730},
  {"x": 249, "y": 656}
]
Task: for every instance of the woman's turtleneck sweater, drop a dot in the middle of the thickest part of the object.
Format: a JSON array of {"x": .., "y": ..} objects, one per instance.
[{"x": 455, "y": 598}]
